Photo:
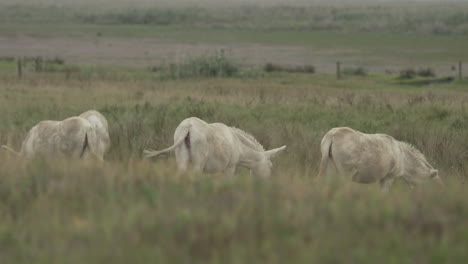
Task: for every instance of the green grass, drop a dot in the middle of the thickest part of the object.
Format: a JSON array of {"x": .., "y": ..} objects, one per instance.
[
  {"x": 130, "y": 210},
  {"x": 133, "y": 210},
  {"x": 375, "y": 36},
  {"x": 139, "y": 212},
  {"x": 385, "y": 46},
  {"x": 359, "y": 16}
]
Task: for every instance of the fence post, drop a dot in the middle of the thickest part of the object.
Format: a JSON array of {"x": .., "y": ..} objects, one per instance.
[
  {"x": 20, "y": 67},
  {"x": 460, "y": 75},
  {"x": 338, "y": 70},
  {"x": 38, "y": 67}
]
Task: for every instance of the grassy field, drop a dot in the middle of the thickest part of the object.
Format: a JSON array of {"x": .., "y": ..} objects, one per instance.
[
  {"x": 428, "y": 17},
  {"x": 378, "y": 36},
  {"x": 134, "y": 210},
  {"x": 148, "y": 66}
]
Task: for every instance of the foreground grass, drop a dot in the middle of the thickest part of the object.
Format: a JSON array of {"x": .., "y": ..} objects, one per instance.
[
  {"x": 140, "y": 212},
  {"x": 132, "y": 210}
]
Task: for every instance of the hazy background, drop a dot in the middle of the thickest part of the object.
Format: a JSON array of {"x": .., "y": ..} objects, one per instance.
[{"x": 265, "y": 67}]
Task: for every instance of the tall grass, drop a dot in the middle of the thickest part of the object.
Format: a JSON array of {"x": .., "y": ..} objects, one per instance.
[
  {"x": 133, "y": 210},
  {"x": 291, "y": 109},
  {"x": 139, "y": 212}
]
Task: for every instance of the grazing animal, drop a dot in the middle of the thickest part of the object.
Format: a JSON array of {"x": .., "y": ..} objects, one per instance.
[
  {"x": 215, "y": 147},
  {"x": 368, "y": 158},
  {"x": 99, "y": 123},
  {"x": 71, "y": 138}
]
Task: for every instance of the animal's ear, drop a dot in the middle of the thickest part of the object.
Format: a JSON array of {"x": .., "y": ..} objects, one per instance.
[
  {"x": 434, "y": 173},
  {"x": 273, "y": 152}
]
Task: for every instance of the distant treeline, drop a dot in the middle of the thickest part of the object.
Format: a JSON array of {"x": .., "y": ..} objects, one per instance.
[{"x": 415, "y": 17}]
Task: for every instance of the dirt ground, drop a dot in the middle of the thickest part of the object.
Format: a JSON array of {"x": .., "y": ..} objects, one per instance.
[{"x": 154, "y": 51}]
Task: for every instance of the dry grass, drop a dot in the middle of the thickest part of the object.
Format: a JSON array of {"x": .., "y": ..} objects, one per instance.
[
  {"x": 134, "y": 210},
  {"x": 295, "y": 110}
]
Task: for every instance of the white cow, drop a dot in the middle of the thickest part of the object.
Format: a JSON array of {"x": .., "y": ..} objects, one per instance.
[
  {"x": 99, "y": 122},
  {"x": 71, "y": 138},
  {"x": 215, "y": 147},
  {"x": 368, "y": 158}
]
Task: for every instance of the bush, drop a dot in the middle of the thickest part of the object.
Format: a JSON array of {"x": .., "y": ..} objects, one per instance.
[
  {"x": 216, "y": 65},
  {"x": 56, "y": 60},
  {"x": 411, "y": 73},
  {"x": 407, "y": 74},
  {"x": 359, "y": 71},
  {"x": 426, "y": 72},
  {"x": 270, "y": 67}
]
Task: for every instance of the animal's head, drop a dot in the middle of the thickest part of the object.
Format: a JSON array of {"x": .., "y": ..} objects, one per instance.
[
  {"x": 434, "y": 174},
  {"x": 419, "y": 168},
  {"x": 263, "y": 167},
  {"x": 427, "y": 170}
]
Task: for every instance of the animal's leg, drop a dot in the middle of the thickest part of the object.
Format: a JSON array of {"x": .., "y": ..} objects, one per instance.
[
  {"x": 410, "y": 183},
  {"x": 229, "y": 172},
  {"x": 197, "y": 168},
  {"x": 386, "y": 183},
  {"x": 197, "y": 162},
  {"x": 330, "y": 169},
  {"x": 183, "y": 160},
  {"x": 198, "y": 157}
]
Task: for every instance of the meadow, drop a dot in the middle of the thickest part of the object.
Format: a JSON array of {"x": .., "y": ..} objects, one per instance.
[
  {"x": 133, "y": 210},
  {"x": 381, "y": 36}
]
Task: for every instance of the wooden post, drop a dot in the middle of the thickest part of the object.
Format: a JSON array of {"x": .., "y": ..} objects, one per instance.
[
  {"x": 20, "y": 67},
  {"x": 338, "y": 70},
  {"x": 460, "y": 70},
  {"x": 38, "y": 67}
]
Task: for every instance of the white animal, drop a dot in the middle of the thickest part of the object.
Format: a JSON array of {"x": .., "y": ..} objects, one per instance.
[
  {"x": 71, "y": 138},
  {"x": 368, "y": 158},
  {"x": 99, "y": 123},
  {"x": 215, "y": 147}
]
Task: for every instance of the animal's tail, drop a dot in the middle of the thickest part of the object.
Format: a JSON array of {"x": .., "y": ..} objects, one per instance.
[
  {"x": 184, "y": 132},
  {"x": 11, "y": 150},
  {"x": 85, "y": 145},
  {"x": 325, "y": 148}
]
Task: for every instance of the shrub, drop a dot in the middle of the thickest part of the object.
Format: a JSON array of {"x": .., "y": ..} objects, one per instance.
[
  {"x": 270, "y": 67},
  {"x": 407, "y": 74},
  {"x": 56, "y": 60},
  {"x": 216, "y": 65},
  {"x": 426, "y": 72},
  {"x": 359, "y": 71},
  {"x": 411, "y": 73}
]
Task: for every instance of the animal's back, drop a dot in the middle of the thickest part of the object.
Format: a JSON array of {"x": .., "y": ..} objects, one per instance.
[
  {"x": 223, "y": 148},
  {"x": 62, "y": 139},
  {"x": 73, "y": 132},
  {"x": 100, "y": 124},
  {"x": 40, "y": 138},
  {"x": 366, "y": 157},
  {"x": 206, "y": 146}
]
